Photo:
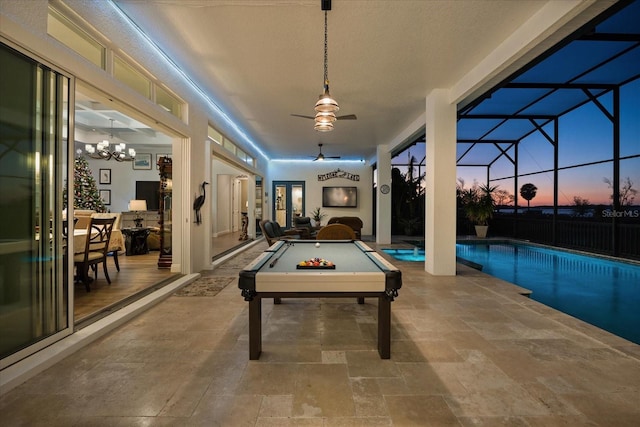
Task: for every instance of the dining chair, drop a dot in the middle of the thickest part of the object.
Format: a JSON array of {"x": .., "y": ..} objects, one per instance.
[
  {"x": 116, "y": 242},
  {"x": 65, "y": 227},
  {"x": 336, "y": 232},
  {"x": 95, "y": 250}
]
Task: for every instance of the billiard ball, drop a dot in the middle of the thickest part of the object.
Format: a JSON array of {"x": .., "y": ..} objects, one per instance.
[{"x": 317, "y": 244}]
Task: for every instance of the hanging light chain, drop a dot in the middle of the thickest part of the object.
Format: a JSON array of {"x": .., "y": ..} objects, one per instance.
[
  {"x": 326, "y": 107},
  {"x": 326, "y": 56}
]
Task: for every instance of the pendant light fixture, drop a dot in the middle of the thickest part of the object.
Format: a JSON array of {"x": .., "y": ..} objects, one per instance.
[
  {"x": 326, "y": 107},
  {"x": 102, "y": 150}
]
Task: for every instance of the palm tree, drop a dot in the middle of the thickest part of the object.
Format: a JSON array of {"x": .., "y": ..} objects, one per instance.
[{"x": 528, "y": 192}]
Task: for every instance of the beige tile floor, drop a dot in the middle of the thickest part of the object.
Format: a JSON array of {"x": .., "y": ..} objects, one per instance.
[{"x": 466, "y": 351}]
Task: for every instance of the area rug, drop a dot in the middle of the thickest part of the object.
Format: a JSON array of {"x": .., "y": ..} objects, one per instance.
[{"x": 207, "y": 286}]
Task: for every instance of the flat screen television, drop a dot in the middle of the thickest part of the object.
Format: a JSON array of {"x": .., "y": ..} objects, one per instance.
[
  {"x": 340, "y": 197},
  {"x": 149, "y": 191}
]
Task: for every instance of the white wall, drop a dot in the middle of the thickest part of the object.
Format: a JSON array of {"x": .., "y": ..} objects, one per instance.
[
  {"x": 223, "y": 199},
  {"x": 25, "y": 24},
  {"x": 123, "y": 179},
  {"x": 309, "y": 171}
]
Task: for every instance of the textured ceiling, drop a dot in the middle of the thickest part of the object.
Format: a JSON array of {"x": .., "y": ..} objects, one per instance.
[{"x": 263, "y": 60}]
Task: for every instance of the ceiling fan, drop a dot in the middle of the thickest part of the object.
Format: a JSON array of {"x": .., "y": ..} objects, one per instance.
[
  {"x": 345, "y": 117},
  {"x": 321, "y": 156},
  {"x": 326, "y": 107}
]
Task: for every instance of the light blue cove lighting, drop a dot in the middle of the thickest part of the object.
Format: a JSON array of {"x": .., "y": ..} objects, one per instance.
[{"x": 214, "y": 106}]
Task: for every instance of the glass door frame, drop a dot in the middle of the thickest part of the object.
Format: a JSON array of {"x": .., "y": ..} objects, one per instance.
[{"x": 288, "y": 206}]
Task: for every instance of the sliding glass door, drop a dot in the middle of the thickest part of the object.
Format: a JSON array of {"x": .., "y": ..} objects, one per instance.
[{"x": 34, "y": 127}]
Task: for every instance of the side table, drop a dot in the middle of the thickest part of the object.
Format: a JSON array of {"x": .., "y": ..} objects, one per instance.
[{"x": 136, "y": 240}]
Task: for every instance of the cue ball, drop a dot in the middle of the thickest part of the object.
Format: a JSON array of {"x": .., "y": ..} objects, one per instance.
[{"x": 317, "y": 244}]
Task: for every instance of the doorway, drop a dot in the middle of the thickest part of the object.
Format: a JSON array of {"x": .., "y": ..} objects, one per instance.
[
  {"x": 240, "y": 202},
  {"x": 232, "y": 205},
  {"x": 121, "y": 182},
  {"x": 288, "y": 201}
]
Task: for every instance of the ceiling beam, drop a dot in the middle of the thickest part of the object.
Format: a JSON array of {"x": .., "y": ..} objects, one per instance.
[
  {"x": 611, "y": 37},
  {"x": 509, "y": 116},
  {"x": 603, "y": 86}
]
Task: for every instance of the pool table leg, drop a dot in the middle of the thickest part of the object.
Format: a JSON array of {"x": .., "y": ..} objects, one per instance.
[
  {"x": 384, "y": 327},
  {"x": 360, "y": 300},
  {"x": 255, "y": 328}
]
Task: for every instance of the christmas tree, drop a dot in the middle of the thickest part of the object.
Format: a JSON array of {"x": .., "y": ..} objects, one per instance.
[{"x": 85, "y": 191}]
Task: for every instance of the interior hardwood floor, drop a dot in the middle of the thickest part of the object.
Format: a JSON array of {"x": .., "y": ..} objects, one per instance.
[
  {"x": 224, "y": 243},
  {"x": 137, "y": 272}
]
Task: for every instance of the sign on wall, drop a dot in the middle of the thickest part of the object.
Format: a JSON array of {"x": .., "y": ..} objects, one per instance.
[{"x": 338, "y": 173}]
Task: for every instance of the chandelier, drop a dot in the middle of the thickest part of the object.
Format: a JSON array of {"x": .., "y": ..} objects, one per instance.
[
  {"x": 103, "y": 150},
  {"x": 326, "y": 107}
]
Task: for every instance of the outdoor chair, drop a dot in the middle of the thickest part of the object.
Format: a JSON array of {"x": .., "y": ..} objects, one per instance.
[
  {"x": 352, "y": 221},
  {"x": 336, "y": 232},
  {"x": 272, "y": 231},
  {"x": 303, "y": 224}
]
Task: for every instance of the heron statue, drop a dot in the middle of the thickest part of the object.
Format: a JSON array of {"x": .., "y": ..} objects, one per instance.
[{"x": 199, "y": 202}]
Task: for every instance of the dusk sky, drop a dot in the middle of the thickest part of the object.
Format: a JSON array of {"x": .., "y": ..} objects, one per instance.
[{"x": 585, "y": 136}]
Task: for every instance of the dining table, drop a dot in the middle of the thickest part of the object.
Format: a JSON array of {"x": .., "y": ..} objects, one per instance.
[{"x": 80, "y": 239}]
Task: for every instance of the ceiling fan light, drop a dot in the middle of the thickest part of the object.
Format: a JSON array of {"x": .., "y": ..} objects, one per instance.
[
  {"x": 326, "y": 104},
  {"x": 325, "y": 117},
  {"x": 323, "y": 127}
]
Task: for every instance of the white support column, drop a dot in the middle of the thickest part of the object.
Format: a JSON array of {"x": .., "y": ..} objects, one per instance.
[
  {"x": 440, "y": 229},
  {"x": 383, "y": 206}
]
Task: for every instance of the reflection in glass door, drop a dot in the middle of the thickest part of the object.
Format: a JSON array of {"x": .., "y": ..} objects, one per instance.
[
  {"x": 288, "y": 201},
  {"x": 34, "y": 293}
]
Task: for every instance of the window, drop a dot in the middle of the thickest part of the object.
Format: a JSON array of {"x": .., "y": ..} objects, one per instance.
[
  {"x": 168, "y": 102},
  {"x": 72, "y": 36},
  {"x": 220, "y": 139},
  {"x": 215, "y": 135},
  {"x": 131, "y": 77}
]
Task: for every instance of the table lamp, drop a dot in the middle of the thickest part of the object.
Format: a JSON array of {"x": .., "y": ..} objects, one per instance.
[{"x": 137, "y": 206}]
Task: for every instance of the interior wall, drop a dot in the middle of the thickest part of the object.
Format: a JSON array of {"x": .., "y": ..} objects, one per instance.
[
  {"x": 124, "y": 177},
  {"x": 309, "y": 171},
  {"x": 224, "y": 196}
]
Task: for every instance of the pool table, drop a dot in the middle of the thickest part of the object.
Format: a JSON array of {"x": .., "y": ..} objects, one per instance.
[{"x": 358, "y": 271}]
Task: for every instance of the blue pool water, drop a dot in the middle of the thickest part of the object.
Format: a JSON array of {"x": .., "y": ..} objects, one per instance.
[{"x": 599, "y": 291}]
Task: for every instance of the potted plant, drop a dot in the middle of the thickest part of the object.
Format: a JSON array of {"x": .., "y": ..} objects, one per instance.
[
  {"x": 479, "y": 207},
  {"x": 317, "y": 216},
  {"x": 410, "y": 225}
]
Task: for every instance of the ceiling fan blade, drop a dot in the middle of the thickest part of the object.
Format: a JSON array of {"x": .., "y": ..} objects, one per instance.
[
  {"x": 321, "y": 156},
  {"x": 347, "y": 117}
]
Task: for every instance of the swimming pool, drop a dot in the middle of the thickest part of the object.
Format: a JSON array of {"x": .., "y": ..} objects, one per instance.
[{"x": 599, "y": 291}]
